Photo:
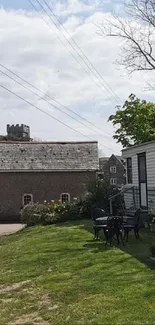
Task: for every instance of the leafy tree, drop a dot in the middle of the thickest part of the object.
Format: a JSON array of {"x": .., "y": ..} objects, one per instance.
[
  {"x": 135, "y": 121},
  {"x": 99, "y": 193}
]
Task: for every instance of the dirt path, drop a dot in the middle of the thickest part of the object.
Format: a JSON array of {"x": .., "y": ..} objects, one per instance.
[{"x": 6, "y": 229}]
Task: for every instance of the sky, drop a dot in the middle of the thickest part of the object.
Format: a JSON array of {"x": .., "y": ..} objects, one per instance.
[{"x": 35, "y": 50}]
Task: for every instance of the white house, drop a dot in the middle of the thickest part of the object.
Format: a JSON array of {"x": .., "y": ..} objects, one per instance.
[{"x": 140, "y": 187}]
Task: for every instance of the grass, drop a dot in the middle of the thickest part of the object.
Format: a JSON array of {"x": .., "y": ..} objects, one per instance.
[{"x": 58, "y": 275}]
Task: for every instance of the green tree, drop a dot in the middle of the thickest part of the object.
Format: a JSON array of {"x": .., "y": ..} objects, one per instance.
[
  {"x": 135, "y": 122},
  {"x": 99, "y": 192}
]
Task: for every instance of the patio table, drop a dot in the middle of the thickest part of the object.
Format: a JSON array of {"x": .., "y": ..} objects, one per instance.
[{"x": 104, "y": 219}]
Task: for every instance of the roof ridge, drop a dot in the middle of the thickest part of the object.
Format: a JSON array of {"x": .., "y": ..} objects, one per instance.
[{"x": 47, "y": 142}]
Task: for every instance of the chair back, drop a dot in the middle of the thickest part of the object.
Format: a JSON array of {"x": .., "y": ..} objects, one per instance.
[
  {"x": 137, "y": 216},
  {"x": 110, "y": 222},
  {"x": 97, "y": 213},
  {"x": 114, "y": 222}
]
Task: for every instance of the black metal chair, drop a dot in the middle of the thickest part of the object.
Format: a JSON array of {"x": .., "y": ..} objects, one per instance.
[
  {"x": 98, "y": 224},
  {"x": 133, "y": 225},
  {"x": 114, "y": 228}
]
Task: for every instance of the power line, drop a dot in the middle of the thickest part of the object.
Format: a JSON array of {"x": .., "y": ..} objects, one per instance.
[
  {"x": 48, "y": 114},
  {"x": 41, "y": 110},
  {"x": 10, "y": 71},
  {"x": 65, "y": 44},
  {"x": 50, "y": 103},
  {"x": 79, "y": 48},
  {"x": 79, "y": 55}
]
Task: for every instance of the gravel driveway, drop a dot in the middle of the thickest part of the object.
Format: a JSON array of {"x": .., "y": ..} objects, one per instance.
[{"x": 6, "y": 229}]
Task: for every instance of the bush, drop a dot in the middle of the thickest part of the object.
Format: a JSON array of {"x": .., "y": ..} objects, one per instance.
[
  {"x": 99, "y": 193},
  {"x": 98, "y": 196},
  {"x": 36, "y": 213}
]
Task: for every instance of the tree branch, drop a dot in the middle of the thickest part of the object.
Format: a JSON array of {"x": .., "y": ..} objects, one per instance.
[{"x": 138, "y": 32}]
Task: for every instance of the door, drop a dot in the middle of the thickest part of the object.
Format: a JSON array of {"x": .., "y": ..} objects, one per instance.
[{"x": 142, "y": 172}]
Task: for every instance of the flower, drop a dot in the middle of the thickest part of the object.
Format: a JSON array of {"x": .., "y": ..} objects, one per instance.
[
  {"x": 52, "y": 201},
  {"x": 75, "y": 198},
  {"x": 45, "y": 201}
]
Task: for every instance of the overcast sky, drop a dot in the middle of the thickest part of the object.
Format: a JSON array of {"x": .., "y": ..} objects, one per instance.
[{"x": 41, "y": 55}]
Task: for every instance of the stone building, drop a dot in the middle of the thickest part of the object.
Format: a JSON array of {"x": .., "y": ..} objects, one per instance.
[
  {"x": 113, "y": 170},
  {"x": 36, "y": 172},
  {"x": 16, "y": 133}
]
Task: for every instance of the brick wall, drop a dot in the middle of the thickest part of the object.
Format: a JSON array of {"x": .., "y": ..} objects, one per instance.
[{"x": 43, "y": 185}]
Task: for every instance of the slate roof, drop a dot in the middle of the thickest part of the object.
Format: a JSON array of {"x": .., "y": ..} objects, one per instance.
[
  {"x": 120, "y": 159},
  {"x": 102, "y": 161},
  {"x": 48, "y": 156}
]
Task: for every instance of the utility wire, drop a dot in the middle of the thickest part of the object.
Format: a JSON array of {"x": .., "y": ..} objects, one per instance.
[
  {"x": 79, "y": 48},
  {"x": 41, "y": 110},
  {"x": 59, "y": 109},
  {"x": 48, "y": 114},
  {"x": 10, "y": 71},
  {"x": 79, "y": 55}
]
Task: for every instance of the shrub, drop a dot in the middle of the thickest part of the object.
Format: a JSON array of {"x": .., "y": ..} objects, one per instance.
[
  {"x": 35, "y": 213},
  {"x": 99, "y": 193}
]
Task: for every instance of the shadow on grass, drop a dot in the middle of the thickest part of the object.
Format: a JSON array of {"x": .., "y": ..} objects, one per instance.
[{"x": 137, "y": 248}]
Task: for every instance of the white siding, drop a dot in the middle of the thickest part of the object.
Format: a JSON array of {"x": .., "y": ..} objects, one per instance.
[
  {"x": 150, "y": 163},
  {"x": 132, "y": 152},
  {"x": 151, "y": 200},
  {"x": 128, "y": 200},
  {"x": 135, "y": 170}
]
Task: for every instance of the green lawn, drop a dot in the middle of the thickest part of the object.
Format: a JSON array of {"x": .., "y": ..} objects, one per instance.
[{"x": 58, "y": 275}]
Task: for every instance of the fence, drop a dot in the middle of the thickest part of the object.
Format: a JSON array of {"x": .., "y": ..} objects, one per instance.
[{"x": 130, "y": 197}]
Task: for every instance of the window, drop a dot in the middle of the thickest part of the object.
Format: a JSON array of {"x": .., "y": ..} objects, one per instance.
[
  {"x": 129, "y": 170},
  {"x": 65, "y": 197},
  {"x": 113, "y": 169},
  {"x": 113, "y": 181},
  {"x": 27, "y": 198}
]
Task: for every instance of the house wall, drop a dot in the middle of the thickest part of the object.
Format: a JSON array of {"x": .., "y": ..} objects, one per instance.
[
  {"x": 149, "y": 148},
  {"x": 43, "y": 185},
  {"x": 120, "y": 171}
]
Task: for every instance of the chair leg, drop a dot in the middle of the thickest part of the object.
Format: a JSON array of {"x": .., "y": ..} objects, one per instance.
[
  {"x": 136, "y": 231},
  {"x": 111, "y": 235},
  {"x": 117, "y": 235},
  {"x": 97, "y": 233},
  {"x": 126, "y": 235},
  {"x": 121, "y": 237},
  {"x": 106, "y": 237},
  {"x": 94, "y": 233}
]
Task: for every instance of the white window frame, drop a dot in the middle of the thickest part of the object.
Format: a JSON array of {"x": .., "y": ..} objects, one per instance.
[
  {"x": 62, "y": 196},
  {"x": 113, "y": 169},
  {"x": 27, "y": 194},
  {"x": 113, "y": 181}
]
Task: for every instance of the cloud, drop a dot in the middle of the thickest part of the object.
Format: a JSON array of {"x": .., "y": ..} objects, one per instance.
[
  {"x": 73, "y": 7},
  {"x": 35, "y": 52}
]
